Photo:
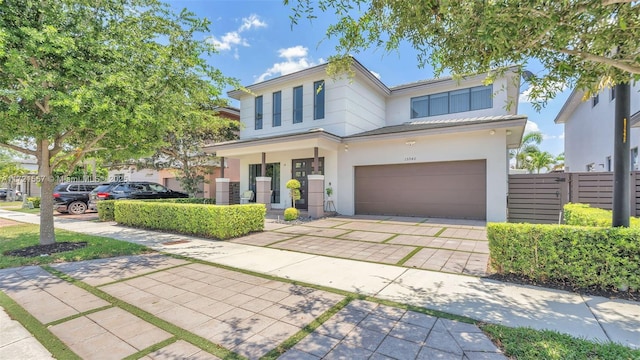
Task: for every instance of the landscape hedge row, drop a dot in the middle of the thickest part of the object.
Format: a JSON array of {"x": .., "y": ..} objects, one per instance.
[
  {"x": 585, "y": 215},
  {"x": 582, "y": 256},
  {"x": 220, "y": 222},
  {"x": 185, "y": 201},
  {"x": 106, "y": 209}
]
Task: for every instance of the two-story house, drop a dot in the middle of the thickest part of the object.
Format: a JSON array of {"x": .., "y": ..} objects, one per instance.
[
  {"x": 435, "y": 148},
  {"x": 588, "y": 130}
]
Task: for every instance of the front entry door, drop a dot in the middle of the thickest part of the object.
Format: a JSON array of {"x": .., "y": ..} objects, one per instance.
[{"x": 301, "y": 168}]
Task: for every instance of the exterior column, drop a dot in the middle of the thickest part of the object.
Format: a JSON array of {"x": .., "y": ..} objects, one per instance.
[
  {"x": 263, "y": 191},
  {"x": 222, "y": 191},
  {"x": 315, "y": 196}
]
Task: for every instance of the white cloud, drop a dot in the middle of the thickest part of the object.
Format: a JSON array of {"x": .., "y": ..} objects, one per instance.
[
  {"x": 252, "y": 22},
  {"x": 233, "y": 39},
  {"x": 296, "y": 59},
  {"x": 531, "y": 127}
]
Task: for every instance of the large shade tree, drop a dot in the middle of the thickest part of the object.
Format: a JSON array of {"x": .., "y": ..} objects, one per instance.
[
  {"x": 107, "y": 78},
  {"x": 583, "y": 44}
]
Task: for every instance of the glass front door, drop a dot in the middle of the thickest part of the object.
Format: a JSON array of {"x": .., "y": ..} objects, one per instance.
[
  {"x": 273, "y": 171},
  {"x": 300, "y": 169}
]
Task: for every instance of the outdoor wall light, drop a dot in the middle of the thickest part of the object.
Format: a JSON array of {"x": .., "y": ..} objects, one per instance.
[
  {"x": 492, "y": 132},
  {"x": 346, "y": 147},
  {"x": 411, "y": 142}
]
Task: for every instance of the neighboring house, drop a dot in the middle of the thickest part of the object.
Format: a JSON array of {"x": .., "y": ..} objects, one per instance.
[
  {"x": 436, "y": 148},
  {"x": 167, "y": 177},
  {"x": 588, "y": 130}
]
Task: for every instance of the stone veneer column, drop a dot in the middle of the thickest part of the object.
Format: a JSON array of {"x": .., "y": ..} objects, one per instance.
[
  {"x": 263, "y": 191},
  {"x": 222, "y": 191},
  {"x": 315, "y": 196}
]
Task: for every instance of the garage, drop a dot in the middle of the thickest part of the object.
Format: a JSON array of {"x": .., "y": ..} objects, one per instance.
[{"x": 452, "y": 189}]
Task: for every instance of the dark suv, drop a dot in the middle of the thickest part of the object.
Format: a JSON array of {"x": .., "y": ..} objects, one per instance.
[
  {"x": 73, "y": 197},
  {"x": 132, "y": 190}
]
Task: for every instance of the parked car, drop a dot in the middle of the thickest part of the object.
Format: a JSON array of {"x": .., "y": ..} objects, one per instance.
[
  {"x": 132, "y": 190},
  {"x": 73, "y": 197},
  {"x": 17, "y": 195}
]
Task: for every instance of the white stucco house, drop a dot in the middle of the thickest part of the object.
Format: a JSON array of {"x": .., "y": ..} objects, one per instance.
[
  {"x": 588, "y": 130},
  {"x": 434, "y": 148}
]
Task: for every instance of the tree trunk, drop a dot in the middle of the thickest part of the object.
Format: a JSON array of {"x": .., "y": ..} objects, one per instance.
[{"x": 47, "y": 230}]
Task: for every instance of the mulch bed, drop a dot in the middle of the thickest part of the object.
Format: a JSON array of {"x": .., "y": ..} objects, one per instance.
[
  {"x": 44, "y": 250},
  {"x": 568, "y": 286}
]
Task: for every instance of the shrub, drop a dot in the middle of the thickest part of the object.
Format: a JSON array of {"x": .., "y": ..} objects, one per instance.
[
  {"x": 290, "y": 214},
  {"x": 585, "y": 215},
  {"x": 220, "y": 222},
  {"x": 185, "y": 201},
  {"x": 294, "y": 190},
  {"x": 583, "y": 256},
  {"x": 106, "y": 210},
  {"x": 35, "y": 201}
]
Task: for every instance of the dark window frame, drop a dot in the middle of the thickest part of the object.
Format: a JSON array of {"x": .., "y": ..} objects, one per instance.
[
  {"x": 258, "y": 112},
  {"x": 276, "y": 118},
  {"x": 427, "y": 98},
  {"x": 298, "y": 94},
  {"x": 318, "y": 100}
]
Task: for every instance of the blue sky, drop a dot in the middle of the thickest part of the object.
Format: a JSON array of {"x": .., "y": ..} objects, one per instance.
[{"x": 256, "y": 42}]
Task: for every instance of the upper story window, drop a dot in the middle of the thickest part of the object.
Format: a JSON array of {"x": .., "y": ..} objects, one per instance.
[
  {"x": 297, "y": 104},
  {"x": 475, "y": 98},
  {"x": 595, "y": 100},
  {"x": 612, "y": 93},
  {"x": 258, "y": 115},
  {"x": 318, "y": 100},
  {"x": 277, "y": 109}
]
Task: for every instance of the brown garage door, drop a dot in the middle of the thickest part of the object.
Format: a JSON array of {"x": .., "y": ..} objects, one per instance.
[{"x": 455, "y": 189}]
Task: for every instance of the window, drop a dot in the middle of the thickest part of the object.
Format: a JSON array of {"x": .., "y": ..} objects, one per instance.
[
  {"x": 258, "y": 113},
  {"x": 318, "y": 100},
  {"x": 634, "y": 159},
  {"x": 475, "y": 98},
  {"x": 595, "y": 100},
  {"x": 297, "y": 104},
  {"x": 612, "y": 94},
  {"x": 277, "y": 109},
  {"x": 459, "y": 101},
  {"x": 609, "y": 168},
  {"x": 420, "y": 107}
]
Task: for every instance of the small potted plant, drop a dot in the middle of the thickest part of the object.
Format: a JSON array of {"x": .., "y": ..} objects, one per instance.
[{"x": 329, "y": 191}]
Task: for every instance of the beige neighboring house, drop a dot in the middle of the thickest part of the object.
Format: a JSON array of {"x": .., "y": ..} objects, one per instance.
[
  {"x": 167, "y": 177},
  {"x": 432, "y": 148},
  {"x": 588, "y": 130}
]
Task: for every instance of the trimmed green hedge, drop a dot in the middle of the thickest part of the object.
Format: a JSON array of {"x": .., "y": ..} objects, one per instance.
[
  {"x": 106, "y": 210},
  {"x": 185, "y": 201},
  {"x": 585, "y": 215},
  {"x": 584, "y": 256},
  {"x": 221, "y": 222}
]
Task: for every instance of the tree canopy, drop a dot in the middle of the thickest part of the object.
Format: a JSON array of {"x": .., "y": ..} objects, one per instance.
[
  {"x": 107, "y": 78},
  {"x": 585, "y": 44}
]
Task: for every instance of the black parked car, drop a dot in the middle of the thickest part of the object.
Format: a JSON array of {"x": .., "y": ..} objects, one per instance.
[
  {"x": 132, "y": 190},
  {"x": 73, "y": 197}
]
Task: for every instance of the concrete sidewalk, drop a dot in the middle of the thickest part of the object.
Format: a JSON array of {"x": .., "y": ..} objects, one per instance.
[{"x": 593, "y": 318}]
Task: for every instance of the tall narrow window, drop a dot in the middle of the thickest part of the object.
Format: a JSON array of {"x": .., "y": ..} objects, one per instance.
[
  {"x": 634, "y": 159},
  {"x": 612, "y": 93},
  {"x": 459, "y": 100},
  {"x": 318, "y": 100},
  {"x": 277, "y": 109},
  {"x": 595, "y": 100},
  {"x": 258, "y": 114},
  {"x": 297, "y": 104}
]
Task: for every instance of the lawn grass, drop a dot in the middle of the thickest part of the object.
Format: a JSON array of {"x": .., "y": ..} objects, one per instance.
[
  {"x": 10, "y": 204},
  {"x": 20, "y": 236},
  {"x": 525, "y": 343}
]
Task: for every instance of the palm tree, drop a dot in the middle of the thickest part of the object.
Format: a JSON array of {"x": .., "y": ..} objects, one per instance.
[
  {"x": 559, "y": 162},
  {"x": 540, "y": 160},
  {"x": 528, "y": 145}
]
